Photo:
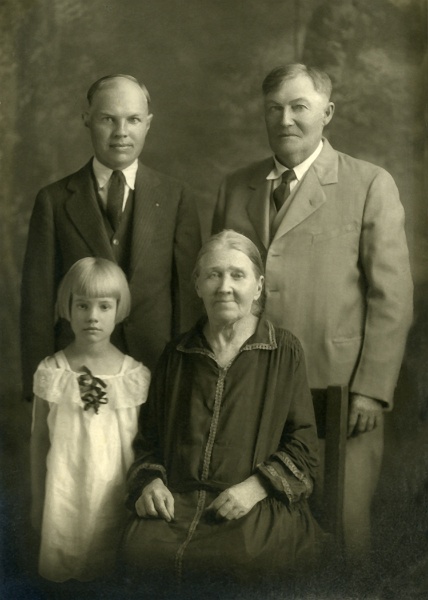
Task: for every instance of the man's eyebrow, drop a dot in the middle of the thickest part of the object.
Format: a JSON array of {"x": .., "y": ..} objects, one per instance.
[
  {"x": 300, "y": 99},
  {"x": 106, "y": 113}
]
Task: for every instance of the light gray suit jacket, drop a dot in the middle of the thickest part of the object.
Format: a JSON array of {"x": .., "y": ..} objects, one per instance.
[{"x": 337, "y": 268}]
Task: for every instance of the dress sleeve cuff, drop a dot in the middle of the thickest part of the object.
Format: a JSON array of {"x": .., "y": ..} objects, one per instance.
[
  {"x": 139, "y": 477},
  {"x": 286, "y": 478}
]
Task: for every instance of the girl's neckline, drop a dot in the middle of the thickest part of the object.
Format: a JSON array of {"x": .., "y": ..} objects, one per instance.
[{"x": 102, "y": 375}]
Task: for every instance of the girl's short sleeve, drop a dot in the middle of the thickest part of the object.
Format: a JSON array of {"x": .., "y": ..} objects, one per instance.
[
  {"x": 130, "y": 388},
  {"x": 51, "y": 383}
]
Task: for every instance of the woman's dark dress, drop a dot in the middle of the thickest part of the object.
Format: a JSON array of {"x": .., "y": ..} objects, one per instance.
[{"x": 206, "y": 428}]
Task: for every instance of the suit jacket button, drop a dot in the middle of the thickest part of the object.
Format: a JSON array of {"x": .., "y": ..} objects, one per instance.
[{"x": 116, "y": 242}]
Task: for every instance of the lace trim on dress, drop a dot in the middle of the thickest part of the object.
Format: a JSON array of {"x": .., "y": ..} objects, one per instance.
[{"x": 127, "y": 389}]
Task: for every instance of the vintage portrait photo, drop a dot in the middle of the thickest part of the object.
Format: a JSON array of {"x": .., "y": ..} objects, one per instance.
[{"x": 214, "y": 300}]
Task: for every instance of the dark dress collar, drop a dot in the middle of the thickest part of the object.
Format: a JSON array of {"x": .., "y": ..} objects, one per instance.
[{"x": 194, "y": 341}]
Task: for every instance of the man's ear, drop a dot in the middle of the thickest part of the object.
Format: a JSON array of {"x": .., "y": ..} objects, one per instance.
[
  {"x": 328, "y": 113},
  {"x": 149, "y": 120},
  {"x": 85, "y": 118}
]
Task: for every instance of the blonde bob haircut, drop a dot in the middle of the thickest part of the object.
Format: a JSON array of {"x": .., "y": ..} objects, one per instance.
[{"x": 94, "y": 278}]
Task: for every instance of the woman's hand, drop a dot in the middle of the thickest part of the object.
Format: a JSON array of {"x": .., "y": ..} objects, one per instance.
[
  {"x": 238, "y": 500},
  {"x": 156, "y": 501}
]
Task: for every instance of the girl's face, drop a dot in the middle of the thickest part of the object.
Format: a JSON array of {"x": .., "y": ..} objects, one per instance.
[{"x": 92, "y": 319}]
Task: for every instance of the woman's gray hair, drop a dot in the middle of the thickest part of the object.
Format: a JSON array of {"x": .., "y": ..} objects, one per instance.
[{"x": 232, "y": 240}]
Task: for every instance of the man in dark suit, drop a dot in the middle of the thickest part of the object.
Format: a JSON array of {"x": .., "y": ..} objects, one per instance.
[
  {"x": 116, "y": 208},
  {"x": 331, "y": 231}
]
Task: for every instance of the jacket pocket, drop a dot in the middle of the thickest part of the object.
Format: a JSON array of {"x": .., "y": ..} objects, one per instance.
[
  {"x": 325, "y": 236},
  {"x": 351, "y": 339}
]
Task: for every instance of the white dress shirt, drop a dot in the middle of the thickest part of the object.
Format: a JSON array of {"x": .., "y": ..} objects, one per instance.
[{"x": 299, "y": 170}]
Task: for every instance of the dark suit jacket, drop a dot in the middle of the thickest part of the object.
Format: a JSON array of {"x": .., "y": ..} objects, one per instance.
[
  {"x": 337, "y": 268},
  {"x": 67, "y": 224}
]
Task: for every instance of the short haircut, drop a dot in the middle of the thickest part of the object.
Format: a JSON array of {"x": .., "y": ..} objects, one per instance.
[
  {"x": 321, "y": 81},
  {"x": 100, "y": 83},
  {"x": 232, "y": 240},
  {"x": 94, "y": 278}
]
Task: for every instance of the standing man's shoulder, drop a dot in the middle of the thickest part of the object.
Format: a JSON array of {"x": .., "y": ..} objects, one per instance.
[
  {"x": 254, "y": 172},
  {"x": 177, "y": 197},
  {"x": 56, "y": 188},
  {"x": 361, "y": 169},
  {"x": 156, "y": 178}
]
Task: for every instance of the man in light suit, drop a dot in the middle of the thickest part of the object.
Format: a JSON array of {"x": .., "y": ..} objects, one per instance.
[
  {"x": 148, "y": 225},
  {"x": 331, "y": 231}
]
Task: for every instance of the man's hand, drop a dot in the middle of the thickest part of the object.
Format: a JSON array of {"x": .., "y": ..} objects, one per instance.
[
  {"x": 364, "y": 414},
  {"x": 238, "y": 500},
  {"x": 156, "y": 501}
]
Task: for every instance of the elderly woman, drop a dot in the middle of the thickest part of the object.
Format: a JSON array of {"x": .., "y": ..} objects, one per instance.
[{"x": 227, "y": 447}]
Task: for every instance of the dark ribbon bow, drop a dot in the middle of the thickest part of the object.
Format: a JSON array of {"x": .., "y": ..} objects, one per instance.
[{"x": 91, "y": 390}]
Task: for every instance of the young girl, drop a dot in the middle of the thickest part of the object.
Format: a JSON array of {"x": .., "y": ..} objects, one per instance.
[{"x": 87, "y": 399}]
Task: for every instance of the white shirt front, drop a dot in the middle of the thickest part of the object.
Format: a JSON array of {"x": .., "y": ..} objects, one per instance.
[{"x": 299, "y": 170}]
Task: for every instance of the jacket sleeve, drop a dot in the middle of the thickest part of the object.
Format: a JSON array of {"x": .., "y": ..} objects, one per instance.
[
  {"x": 389, "y": 294},
  {"x": 149, "y": 462},
  {"x": 38, "y": 290},
  {"x": 187, "y": 307},
  {"x": 291, "y": 470}
]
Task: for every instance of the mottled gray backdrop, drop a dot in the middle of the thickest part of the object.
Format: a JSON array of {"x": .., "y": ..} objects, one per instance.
[{"x": 203, "y": 62}]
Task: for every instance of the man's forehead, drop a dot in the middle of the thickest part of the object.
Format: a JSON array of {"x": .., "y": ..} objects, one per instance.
[
  {"x": 119, "y": 89},
  {"x": 298, "y": 87}
]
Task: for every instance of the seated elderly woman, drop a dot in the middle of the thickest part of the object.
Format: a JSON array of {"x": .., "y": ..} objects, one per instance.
[{"x": 227, "y": 447}]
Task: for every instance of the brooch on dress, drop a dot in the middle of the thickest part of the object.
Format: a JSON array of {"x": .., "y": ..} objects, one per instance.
[{"x": 91, "y": 390}]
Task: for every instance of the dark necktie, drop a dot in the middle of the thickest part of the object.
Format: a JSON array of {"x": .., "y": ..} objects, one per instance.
[
  {"x": 116, "y": 191},
  {"x": 281, "y": 193}
]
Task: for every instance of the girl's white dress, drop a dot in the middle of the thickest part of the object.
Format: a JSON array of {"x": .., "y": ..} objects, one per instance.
[{"x": 84, "y": 513}]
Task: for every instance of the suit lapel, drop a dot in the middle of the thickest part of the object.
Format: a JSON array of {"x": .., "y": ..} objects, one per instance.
[
  {"x": 147, "y": 201},
  {"x": 83, "y": 210},
  {"x": 259, "y": 201},
  {"x": 309, "y": 195}
]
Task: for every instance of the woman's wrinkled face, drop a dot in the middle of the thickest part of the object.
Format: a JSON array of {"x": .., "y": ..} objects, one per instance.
[{"x": 227, "y": 285}]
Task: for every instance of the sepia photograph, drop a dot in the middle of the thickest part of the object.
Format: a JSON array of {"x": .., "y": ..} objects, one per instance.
[{"x": 214, "y": 299}]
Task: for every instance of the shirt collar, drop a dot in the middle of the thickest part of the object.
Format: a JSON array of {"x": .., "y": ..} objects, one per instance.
[
  {"x": 194, "y": 340},
  {"x": 299, "y": 170},
  {"x": 103, "y": 173}
]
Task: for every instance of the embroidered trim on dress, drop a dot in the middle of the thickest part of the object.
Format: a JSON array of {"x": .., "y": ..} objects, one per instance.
[
  {"x": 192, "y": 528},
  {"x": 285, "y": 485},
  {"x": 205, "y": 468},
  {"x": 283, "y": 456},
  {"x": 214, "y": 423}
]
